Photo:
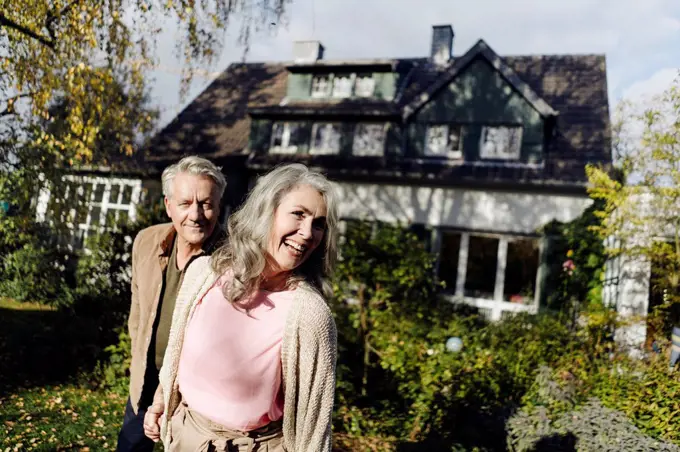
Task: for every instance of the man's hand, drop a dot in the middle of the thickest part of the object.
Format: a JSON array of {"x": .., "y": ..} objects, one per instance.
[{"x": 152, "y": 421}]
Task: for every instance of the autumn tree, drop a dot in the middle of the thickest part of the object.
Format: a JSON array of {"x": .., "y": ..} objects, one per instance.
[
  {"x": 82, "y": 52},
  {"x": 640, "y": 217}
]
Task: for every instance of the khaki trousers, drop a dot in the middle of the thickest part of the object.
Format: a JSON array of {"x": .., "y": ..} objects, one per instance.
[{"x": 193, "y": 432}]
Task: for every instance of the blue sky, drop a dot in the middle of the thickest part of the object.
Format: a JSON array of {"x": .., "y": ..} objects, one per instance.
[{"x": 640, "y": 38}]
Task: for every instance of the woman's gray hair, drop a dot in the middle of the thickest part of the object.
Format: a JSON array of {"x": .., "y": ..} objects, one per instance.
[
  {"x": 249, "y": 228},
  {"x": 198, "y": 166}
]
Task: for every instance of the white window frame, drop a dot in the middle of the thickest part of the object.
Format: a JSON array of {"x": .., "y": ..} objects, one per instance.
[
  {"x": 497, "y": 305},
  {"x": 326, "y": 147},
  {"x": 379, "y": 149},
  {"x": 285, "y": 147},
  {"x": 364, "y": 91},
  {"x": 317, "y": 93},
  {"x": 350, "y": 84},
  {"x": 509, "y": 149},
  {"x": 105, "y": 205},
  {"x": 443, "y": 150}
]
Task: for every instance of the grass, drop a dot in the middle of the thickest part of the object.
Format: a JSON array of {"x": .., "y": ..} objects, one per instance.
[
  {"x": 50, "y": 399},
  {"x": 47, "y": 399},
  {"x": 60, "y": 418}
]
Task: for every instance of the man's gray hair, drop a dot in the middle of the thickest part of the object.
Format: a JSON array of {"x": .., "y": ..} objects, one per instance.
[{"x": 198, "y": 166}]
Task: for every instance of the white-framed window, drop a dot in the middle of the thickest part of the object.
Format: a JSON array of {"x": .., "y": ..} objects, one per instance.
[
  {"x": 325, "y": 138},
  {"x": 91, "y": 204},
  {"x": 444, "y": 141},
  {"x": 500, "y": 142},
  {"x": 342, "y": 85},
  {"x": 364, "y": 85},
  {"x": 321, "y": 86},
  {"x": 286, "y": 138},
  {"x": 369, "y": 139},
  {"x": 499, "y": 272}
]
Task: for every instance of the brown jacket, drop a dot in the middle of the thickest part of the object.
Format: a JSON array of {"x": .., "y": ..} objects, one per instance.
[{"x": 150, "y": 254}]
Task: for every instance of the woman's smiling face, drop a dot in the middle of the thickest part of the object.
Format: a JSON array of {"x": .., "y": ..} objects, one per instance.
[{"x": 298, "y": 228}]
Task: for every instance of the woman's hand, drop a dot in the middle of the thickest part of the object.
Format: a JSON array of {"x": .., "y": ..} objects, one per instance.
[{"x": 152, "y": 421}]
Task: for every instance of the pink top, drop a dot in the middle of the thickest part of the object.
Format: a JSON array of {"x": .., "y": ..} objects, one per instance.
[{"x": 230, "y": 367}]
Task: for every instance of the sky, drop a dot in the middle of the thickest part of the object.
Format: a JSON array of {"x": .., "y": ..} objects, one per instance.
[{"x": 640, "y": 38}]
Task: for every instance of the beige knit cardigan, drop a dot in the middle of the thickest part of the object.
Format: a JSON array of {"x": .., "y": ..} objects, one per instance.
[{"x": 308, "y": 357}]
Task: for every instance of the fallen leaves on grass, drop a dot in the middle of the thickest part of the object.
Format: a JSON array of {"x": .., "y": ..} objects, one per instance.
[{"x": 60, "y": 418}]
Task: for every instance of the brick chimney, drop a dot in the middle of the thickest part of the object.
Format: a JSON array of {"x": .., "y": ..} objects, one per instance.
[
  {"x": 442, "y": 44},
  {"x": 307, "y": 51}
]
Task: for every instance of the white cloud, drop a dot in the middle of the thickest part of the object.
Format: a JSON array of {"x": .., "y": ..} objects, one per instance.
[
  {"x": 638, "y": 38},
  {"x": 656, "y": 84}
]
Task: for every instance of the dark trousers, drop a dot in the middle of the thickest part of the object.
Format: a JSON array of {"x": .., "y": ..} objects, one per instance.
[{"x": 131, "y": 437}]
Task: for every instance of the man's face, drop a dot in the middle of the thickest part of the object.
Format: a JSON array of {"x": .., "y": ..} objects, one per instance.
[{"x": 193, "y": 207}]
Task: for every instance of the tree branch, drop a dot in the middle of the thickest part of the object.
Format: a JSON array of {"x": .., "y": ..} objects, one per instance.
[
  {"x": 10, "y": 109},
  {"x": 6, "y": 22},
  {"x": 51, "y": 18}
]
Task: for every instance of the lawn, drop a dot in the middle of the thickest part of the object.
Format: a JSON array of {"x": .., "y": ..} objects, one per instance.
[
  {"x": 49, "y": 398},
  {"x": 61, "y": 417}
]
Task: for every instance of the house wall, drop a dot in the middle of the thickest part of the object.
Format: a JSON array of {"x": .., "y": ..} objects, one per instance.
[
  {"x": 90, "y": 203},
  {"x": 484, "y": 210},
  {"x": 503, "y": 216},
  {"x": 630, "y": 297},
  {"x": 479, "y": 96}
]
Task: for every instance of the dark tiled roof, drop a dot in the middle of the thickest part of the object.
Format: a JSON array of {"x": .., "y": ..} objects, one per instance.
[
  {"x": 217, "y": 123},
  {"x": 479, "y": 51}
]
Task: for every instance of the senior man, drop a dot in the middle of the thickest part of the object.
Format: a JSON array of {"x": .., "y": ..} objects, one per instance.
[{"x": 161, "y": 254}]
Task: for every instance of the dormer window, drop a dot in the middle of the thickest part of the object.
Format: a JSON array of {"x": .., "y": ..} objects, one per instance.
[
  {"x": 321, "y": 86},
  {"x": 286, "y": 137},
  {"x": 369, "y": 140},
  {"x": 364, "y": 86},
  {"x": 325, "y": 138},
  {"x": 500, "y": 142},
  {"x": 444, "y": 141},
  {"x": 342, "y": 85}
]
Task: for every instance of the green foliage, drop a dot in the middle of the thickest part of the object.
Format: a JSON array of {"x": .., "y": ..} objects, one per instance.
[
  {"x": 103, "y": 294},
  {"x": 385, "y": 262},
  {"x": 383, "y": 268},
  {"x": 84, "y": 50},
  {"x": 638, "y": 203},
  {"x": 588, "y": 428},
  {"x": 104, "y": 271},
  {"x": 645, "y": 391},
  {"x": 575, "y": 262},
  {"x": 114, "y": 372},
  {"x": 34, "y": 273},
  {"x": 93, "y": 293},
  {"x": 396, "y": 378},
  {"x": 32, "y": 268}
]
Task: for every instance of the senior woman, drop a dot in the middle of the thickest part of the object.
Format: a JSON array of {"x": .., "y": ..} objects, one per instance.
[{"x": 250, "y": 363}]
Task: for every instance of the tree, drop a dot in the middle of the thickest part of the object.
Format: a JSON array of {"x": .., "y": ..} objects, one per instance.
[
  {"x": 640, "y": 214},
  {"x": 84, "y": 50}
]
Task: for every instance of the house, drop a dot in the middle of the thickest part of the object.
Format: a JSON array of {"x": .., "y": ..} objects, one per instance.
[
  {"x": 475, "y": 152},
  {"x": 99, "y": 197}
]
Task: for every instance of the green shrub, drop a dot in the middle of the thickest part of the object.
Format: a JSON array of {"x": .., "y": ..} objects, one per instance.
[
  {"x": 103, "y": 273},
  {"x": 588, "y": 428},
  {"x": 395, "y": 377},
  {"x": 575, "y": 241},
  {"x": 114, "y": 372},
  {"x": 645, "y": 391},
  {"x": 32, "y": 266}
]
